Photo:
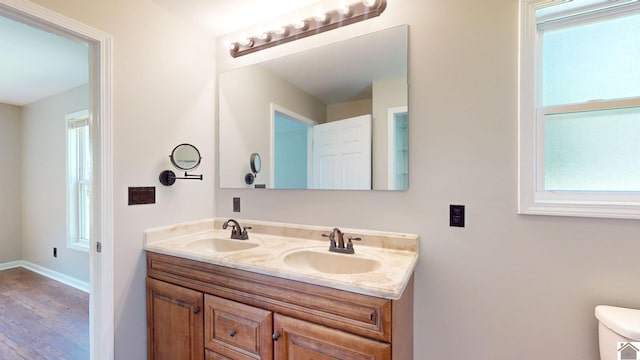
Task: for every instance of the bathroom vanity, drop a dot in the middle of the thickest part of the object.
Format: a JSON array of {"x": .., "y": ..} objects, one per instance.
[{"x": 278, "y": 295}]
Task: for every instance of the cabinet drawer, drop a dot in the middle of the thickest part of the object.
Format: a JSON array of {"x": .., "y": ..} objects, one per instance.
[
  {"x": 299, "y": 339},
  {"x": 237, "y": 331}
]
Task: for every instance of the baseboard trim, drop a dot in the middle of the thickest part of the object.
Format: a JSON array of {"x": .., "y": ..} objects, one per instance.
[
  {"x": 51, "y": 274},
  {"x": 10, "y": 265}
]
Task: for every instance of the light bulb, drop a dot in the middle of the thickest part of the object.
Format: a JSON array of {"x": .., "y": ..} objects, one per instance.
[
  {"x": 321, "y": 17},
  {"x": 233, "y": 46},
  {"x": 246, "y": 42},
  {"x": 300, "y": 24},
  {"x": 281, "y": 31},
  {"x": 345, "y": 10},
  {"x": 264, "y": 36}
]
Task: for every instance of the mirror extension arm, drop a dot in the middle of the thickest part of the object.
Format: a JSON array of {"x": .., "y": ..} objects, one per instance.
[{"x": 168, "y": 177}]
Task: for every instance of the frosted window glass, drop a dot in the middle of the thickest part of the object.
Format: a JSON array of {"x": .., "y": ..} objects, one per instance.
[
  {"x": 593, "y": 151},
  {"x": 593, "y": 61}
]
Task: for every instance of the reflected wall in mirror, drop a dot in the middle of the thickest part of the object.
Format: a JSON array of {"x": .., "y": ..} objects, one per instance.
[{"x": 333, "y": 117}]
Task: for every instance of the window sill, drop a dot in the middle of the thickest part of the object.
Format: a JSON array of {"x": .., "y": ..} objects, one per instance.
[
  {"x": 582, "y": 209},
  {"x": 79, "y": 247}
]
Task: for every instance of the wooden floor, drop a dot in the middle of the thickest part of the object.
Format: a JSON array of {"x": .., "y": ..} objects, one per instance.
[{"x": 41, "y": 318}]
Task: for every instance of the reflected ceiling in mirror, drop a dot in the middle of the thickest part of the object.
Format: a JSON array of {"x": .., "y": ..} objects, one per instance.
[{"x": 333, "y": 117}]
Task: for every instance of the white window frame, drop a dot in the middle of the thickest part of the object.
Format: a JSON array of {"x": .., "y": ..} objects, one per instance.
[
  {"x": 532, "y": 198},
  {"x": 391, "y": 147},
  {"x": 74, "y": 241}
]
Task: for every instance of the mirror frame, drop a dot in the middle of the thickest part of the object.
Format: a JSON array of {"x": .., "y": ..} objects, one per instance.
[
  {"x": 175, "y": 162},
  {"x": 256, "y": 163}
]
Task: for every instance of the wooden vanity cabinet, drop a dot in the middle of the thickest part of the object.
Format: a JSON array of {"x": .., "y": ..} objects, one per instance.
[
  {"x": 255, "y": 316},
  {"x": 175, "y": 322}
]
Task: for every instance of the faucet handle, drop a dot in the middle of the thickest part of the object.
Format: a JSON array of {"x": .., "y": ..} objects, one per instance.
[
  {"x": 332, "y": 239},
  {"x": 244, "y": 232},
  {"x": 350, "y": 244}
]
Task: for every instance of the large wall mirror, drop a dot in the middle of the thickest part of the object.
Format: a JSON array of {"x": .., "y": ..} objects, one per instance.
[{"x": 333, "y": 117}]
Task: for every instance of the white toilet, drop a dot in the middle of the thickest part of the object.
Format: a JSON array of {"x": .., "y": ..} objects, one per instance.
[{"x": 617, "y": 325}]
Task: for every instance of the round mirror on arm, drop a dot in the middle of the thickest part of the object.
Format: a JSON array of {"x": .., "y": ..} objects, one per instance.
[
  {"x": 256, "y": 164},
  {"x": 184, "y": 157}
]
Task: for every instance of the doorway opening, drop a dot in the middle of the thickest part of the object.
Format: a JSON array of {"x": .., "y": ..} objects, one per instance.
[
  {"x": 101, "y": 304},
  {"x": 291, "y": 149}
]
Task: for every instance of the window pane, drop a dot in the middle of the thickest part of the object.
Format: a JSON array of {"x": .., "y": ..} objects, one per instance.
[
  {"x": 593, "y": 151},
  {"x": 84, "y": 212},
  {"x": 592, "y": 61},
  {"x": 79, "y": 181}
]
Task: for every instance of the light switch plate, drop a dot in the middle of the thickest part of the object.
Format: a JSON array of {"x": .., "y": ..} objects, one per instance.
[{"x": 456, "y": 215}]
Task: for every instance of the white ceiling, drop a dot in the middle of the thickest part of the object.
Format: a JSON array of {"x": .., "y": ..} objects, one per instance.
[
  {"x": 220, "y": 17},
  {"x": 36, "y": 64},
  {"x": 344, "y": 71}
]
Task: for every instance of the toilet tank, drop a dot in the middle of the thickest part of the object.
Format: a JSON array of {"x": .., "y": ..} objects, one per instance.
[{"x": 616, "y": 325}]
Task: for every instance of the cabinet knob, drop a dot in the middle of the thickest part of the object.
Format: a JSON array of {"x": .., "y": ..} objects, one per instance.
[
  {"x": 275, "y": 336},
  {"x": 196, "y": 310},
  {"x": 232, "y": 333}
]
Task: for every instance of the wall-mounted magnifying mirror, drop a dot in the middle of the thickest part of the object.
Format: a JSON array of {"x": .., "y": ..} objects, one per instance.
[
  {"x": 256, "y": 165},
  {"x": 184, "y": 157}
]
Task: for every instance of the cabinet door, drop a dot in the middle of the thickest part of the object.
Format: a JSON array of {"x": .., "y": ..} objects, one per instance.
[
  {"x": 303, "y": 340},
  {"x": 237, "y": 331},
  {"x": 210, "y": 355},
  {"x": 175, "y": 322}
]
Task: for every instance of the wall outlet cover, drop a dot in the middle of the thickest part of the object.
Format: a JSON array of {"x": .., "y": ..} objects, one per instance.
[
  {"x": 142, "y": 195},
  {"x": 456, "y": 215}
]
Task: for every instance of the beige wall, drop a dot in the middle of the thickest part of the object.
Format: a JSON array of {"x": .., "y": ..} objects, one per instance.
[
  {"x": 387, "y": 94},
  {"x": 10, "y": 183},
  {"x": 163, "y": 77},
  {"x": 245, "y": 99},
  {"x": 506, "y": 286},
  {"x": 44, "y": 181},
  {"x": 349, "y": 109}
]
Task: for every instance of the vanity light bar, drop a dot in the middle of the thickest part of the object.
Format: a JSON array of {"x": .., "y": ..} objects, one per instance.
[{"x": 345, "y": 15}]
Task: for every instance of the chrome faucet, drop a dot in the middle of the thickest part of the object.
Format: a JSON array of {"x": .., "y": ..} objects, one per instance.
[
  {"x": 237, "y": 232},
  {"x": 340, "y": 247}
]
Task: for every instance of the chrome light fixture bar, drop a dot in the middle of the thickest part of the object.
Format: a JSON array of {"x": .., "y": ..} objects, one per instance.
[{"x": 345, "y": 15}]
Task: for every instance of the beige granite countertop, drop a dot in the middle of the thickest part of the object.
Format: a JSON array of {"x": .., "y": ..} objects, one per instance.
[{"x": 397, "y": 253}]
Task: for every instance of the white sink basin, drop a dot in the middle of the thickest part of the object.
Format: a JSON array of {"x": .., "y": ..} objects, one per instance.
[
  {"x": 220, "y": 245},
  {"x": 330, "y": 263}
]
